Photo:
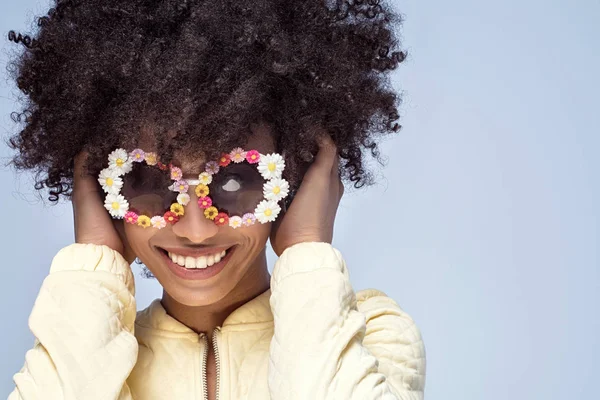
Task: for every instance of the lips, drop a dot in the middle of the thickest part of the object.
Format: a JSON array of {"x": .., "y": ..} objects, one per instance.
[{"x": 198, "y": 272}]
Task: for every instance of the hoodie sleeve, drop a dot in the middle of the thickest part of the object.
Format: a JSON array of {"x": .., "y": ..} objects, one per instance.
[
  {"x": 328, "y": 344},
  {"x": 83, "y": 323}
]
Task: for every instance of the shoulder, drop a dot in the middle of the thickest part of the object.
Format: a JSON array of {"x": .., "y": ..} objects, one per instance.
[
  {"x": 379, "y": 308},
  {"x": 375, "y": 304},
  {"x": 393, "y": 337}
]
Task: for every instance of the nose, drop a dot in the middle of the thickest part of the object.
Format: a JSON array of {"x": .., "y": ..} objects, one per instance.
[{"x": 193, "y": 225}]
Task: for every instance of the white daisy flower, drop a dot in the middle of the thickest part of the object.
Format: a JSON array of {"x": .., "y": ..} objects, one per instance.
[
  {"x": 183, "y": 199},
  {"x": 110, "y": 181},
  {"x": 267, "y": 211},
  {"x": 116, "y": 205},
  {"x": 158, "y": 222},
  {"x": 235, "y": 222},
  {"x": 119, "y": 161},
  {"x": 271, "y": 166},
  {"x": 205, "y": 178},
  {"x": 276, "y": 189}
]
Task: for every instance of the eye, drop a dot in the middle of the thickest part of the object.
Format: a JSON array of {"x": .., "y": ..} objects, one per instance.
[{"x": 232, "y": 184}]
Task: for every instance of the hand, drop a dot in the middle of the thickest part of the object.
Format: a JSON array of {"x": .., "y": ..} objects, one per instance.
[
  {"x": 93, "y": 223},
  {"x": 311, "y": 214}
]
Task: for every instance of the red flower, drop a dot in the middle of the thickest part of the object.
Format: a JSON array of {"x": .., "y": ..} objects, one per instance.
[
  {"x": 161, "y": 166},
  {"x": 222, "y": 219},
  {"x": 170, "y": 217},
  {"x": 225, "y": 160}
]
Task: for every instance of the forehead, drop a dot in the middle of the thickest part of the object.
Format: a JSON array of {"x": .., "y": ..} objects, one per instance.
[{"x": 261, "y": 140}]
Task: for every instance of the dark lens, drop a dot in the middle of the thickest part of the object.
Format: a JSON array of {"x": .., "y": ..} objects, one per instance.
[
  {"x": 237, "y": 189},
  {"x": 146, "y": 188}
]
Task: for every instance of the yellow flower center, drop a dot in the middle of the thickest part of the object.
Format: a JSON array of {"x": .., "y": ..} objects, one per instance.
[
  {"x": 120, "y": 162},
  {"x": 115, "y": 205},
  {"x": 268, "y": 212},
  {"x": 109, "y": 182},
  {"x": 253, "y": 156},
  {"x": 272, "y": 167},
  {"x": 276, "y": 189},
  {"x": 138, "y": 156}
]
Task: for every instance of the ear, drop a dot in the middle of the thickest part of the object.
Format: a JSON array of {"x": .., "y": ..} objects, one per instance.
[{"x": 128, "y": 253}]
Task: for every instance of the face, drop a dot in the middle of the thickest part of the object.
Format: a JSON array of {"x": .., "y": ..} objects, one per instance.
[{"x": 199, "y": 238}]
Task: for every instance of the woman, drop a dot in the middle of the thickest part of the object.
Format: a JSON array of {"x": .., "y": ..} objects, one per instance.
[{"x": 181, "y": 131}]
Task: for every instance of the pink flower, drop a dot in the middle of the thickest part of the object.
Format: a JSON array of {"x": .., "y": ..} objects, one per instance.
[
  {"x": 137, "y": 155},
  {"x": 248, "y": 219},
  {"x": 158, "y": 222},
  {"x": 204, "y": 202},
  {"x": 212, "y": 167},
  {"x": 176, "y": 173},
  {"x": 181, "y": 186},
  {"x": 237, "y": 155},
  {"x": 131, "y": 217},
  {"x": 252, "y": 156}
]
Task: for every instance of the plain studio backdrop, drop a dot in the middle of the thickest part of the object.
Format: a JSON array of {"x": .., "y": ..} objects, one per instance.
[{"x": 484, "y": 223}]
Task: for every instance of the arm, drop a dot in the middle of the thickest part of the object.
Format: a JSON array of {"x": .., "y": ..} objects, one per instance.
[
  {"x": 322, "y": 347},
  {"x": 83, "y": 323}
]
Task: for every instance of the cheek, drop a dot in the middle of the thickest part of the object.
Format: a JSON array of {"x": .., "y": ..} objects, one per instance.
[
  {"x": 252, "y": 238},
  {"x": 138, "y": 237},
  {"x": 259, "y": 232}
]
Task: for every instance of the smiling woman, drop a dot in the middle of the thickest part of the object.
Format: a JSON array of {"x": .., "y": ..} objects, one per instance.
[{"x": 139, "y": 112}]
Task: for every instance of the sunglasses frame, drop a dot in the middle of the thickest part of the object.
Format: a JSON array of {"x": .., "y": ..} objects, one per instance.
[{"x": 120, "y": 162}]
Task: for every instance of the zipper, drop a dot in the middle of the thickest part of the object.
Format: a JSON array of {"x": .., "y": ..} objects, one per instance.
[
  {"x": 217, "y": 363},
  {"x": 203, "y": 367}
]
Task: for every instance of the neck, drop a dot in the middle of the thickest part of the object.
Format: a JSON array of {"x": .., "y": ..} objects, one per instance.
[{"x": 207, "y": 317}]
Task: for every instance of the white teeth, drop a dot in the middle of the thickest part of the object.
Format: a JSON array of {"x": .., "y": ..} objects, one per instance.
[
  {"x": 201, "y": 262},
  {"x": 197, "y": 262},
  {"x": 190, "y": 262}
]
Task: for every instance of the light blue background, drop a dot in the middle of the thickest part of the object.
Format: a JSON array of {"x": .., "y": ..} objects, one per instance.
[{"x": 484, "y": 226}]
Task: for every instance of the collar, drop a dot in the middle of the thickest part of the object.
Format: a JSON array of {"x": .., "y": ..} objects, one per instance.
[{"x": 257, "y": 310}]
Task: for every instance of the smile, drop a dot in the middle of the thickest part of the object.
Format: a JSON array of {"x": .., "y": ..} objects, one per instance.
[{"x": 197, "y": 264}]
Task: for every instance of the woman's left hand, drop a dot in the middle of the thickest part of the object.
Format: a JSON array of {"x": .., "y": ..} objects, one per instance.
[{"x": 311, "y": 215}]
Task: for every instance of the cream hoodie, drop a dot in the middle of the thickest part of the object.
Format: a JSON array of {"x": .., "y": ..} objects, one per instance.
[{"x": 308, "y": 337}]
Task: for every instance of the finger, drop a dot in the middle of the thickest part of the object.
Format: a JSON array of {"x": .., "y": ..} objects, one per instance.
[
  {"x": 326, "y": 156},
  {"x": 83, "y": 183},
  {"x": 335, "y": 168},
  {"x": 87, "y": 200}
]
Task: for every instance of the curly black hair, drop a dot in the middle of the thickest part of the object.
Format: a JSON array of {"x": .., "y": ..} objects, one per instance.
[{"x": 95, "y": 72}]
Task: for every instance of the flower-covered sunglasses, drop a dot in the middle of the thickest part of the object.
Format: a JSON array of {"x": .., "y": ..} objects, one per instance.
[{"x": 241, "y": 188}]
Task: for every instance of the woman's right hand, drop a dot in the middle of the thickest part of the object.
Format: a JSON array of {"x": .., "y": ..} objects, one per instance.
[{"x": 93, "y": 224}]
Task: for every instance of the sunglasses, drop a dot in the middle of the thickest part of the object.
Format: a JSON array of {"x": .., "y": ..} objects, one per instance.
[{"x": 240, "y": 189}]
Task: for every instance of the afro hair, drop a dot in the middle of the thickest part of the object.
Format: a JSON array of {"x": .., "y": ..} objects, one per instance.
[{"x": 93, "y": 73}]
